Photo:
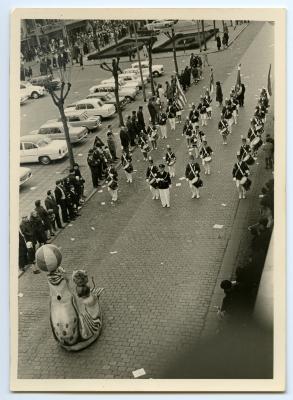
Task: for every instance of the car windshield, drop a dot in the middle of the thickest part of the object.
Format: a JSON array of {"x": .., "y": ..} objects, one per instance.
[{"x": 44, "y": 142}]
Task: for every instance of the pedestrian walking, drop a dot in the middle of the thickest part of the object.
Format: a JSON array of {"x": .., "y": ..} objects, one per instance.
[
  {"x": 219, "y": 94},
  {"x": 164, "y": 183},
  {"x": 240, "y": 174},
  {"x": 163, "y": 124},
  {"x": 170, "y": 158},
  {"x": 126, "y": 161},
  {"x": 219, "y": 44},
  {"x": 112, "y": 183},
  {"x": 151, "y": 176},
  {"x": 206, "y": 155},
  {"x": 192, "y": 175}
]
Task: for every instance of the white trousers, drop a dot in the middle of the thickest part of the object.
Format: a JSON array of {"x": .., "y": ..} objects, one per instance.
[
  {"x": 172, "y": 170},
  {"x": 241, "y": 190},
  {"x": 194, "y": 190},
  {"x": 203, "y": 119},
  {"x": 128, "y": 176},
  {"x": 165, "y": 197},
  {"x": 207, "y": 167},
  {"x": 113, "y": 193},
  {"x": 172, "y": 123},
  {"x": 155, "y": 193},
  {"x": 163, "y": 131}
]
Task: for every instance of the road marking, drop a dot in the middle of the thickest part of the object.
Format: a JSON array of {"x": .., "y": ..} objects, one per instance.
[
  {"x": 217, "y": 226},
  {"x": 138, "y": 373}
]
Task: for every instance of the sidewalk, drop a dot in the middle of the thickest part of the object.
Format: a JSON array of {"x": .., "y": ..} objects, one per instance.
[{"x": 159, "y": 267}]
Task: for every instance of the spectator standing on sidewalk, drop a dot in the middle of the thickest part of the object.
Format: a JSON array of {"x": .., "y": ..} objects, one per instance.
[
  {"x": 124, "y": 138},
  {"x": 152, "y": 111},
  {"x": 140, "y": 120},
  {"x": 94, "y": 166},
  {"x": 61, "y": 200},
  {"x": 38, "y": 229},
  {"x": 27, "y": 233},
  {"x": 219, "y": 94},
  {"x": 219, "y": 44},
  {"x": 50, "y": 204},
  {"x": 43, "y": 214},
  {"x": 111, "y": 143}
]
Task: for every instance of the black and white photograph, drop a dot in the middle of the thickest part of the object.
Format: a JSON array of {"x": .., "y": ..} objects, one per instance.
[{"x": 147, "y": 200}]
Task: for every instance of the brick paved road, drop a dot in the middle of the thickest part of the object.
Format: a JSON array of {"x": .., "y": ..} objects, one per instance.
[{"x": 159, "y": 283}]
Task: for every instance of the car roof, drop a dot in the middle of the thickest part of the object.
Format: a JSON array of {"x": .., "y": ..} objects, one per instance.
[
  {"x": 33, "y": 138},
  {"x": 74, "y": 112},
  {"x": 49, "y": 123},
  {"x": 85, "y": 101}
]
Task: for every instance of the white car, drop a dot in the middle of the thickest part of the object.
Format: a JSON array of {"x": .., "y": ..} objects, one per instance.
[
  {"x": 145, "y": 72},
  {"x": 95, "y": 107},
  {"x": 23, "y": 97},
  {"x": 34, "y": 148},
  {"x": 157, "y": 69},
  {"x": 24, "y": 175},
  {"x": 122, "y": 82},
  {"x": 132, "y": 77},
  {"x": 128, "y": 92},
  {"x": 32, "y": 91},
  {"x": 160, "y": 24}
]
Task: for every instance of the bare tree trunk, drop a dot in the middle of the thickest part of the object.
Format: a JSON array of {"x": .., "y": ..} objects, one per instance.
[
  {"x": 66, "y": 131},
  {"x": 203, "y": 35},
  {"x": 174, "y": 51},
  {"x": 215, "y": 32},
  {"x": 139, "y": 63},
  {"x": 149, "y": 48}
]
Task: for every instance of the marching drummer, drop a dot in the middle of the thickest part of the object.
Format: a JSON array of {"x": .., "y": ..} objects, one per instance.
[
  {"x": 171, "y": 161},
  {"x": 223, "y": 129},
  {"x": 206, "y": 155},
  {"x": 112, "y": 183},
  {"x": 194, "y": 117},
  {"x": 151, "y": 176},
  {"x": 164, "y": 183},
  {"x": 208, "y": 102},
  {"x": 227, "y": 112},
  {"x": 144, "y": 145},
  {"x": 192, "y": 176},
  {"x": 245, "y": 152},
  {"x": 187, "y": 131},
  {"x": 202, "y": 107},
  {"x": 126, "y": 161},
  {"x": 240, "y": 176},
  {"x": 163, "y": 124},
  {"x": 153, "y": 135}
]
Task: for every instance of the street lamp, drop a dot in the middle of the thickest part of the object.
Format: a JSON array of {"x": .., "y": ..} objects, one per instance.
[
  {"x": 64, "y": 71},
  {"x": 139, "y": 62}
]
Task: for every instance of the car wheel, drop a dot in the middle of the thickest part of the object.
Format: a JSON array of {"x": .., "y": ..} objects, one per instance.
[
  {"x": 35, "y": 95},
  {"x": 45, "y": 160},
  {"x": 156, "y": 74}
]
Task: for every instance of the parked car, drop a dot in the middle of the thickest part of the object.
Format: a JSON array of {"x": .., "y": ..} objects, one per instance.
[
  {"x": 24, "y": 175},
  {"x": 55, "y": 131},
  {"x": 108, "y": 98},
  {"x": 145, "y": 72},
  {"x": 80, "y": 118},
  {"x": 123, "y": 82},
  {"x": 133, "y": 77},
  {"x": 157, "y": 69},
  {"x": 34, "y": 148},
  {"x": 23, "y": 95},
  {"x": 109, "y": 87},
  {"x": 33, "y": 91},
  {"x": 159, "y": 24},
  {"x": 47, "y": 81},
  {"x": 95, "y": 107}
]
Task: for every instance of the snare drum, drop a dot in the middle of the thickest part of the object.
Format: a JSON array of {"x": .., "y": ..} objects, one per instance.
[
  {"x": 255, "y": 141},
  {"x": 194, "y": 180},
  {"x": 243, "y": 180},
  {"x": 250, "y": 160},
  {"x": 207, "y": 159},
  {"x": 246, "y": 158}
]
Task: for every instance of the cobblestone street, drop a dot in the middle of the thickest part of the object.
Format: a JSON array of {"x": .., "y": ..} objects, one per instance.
[{"x": 159, "y": 266}]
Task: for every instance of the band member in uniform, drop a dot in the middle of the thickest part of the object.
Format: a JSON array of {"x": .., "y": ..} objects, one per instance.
[
  {"x": 240, "y": 176},
  {"x": 163, "y": 124},
  {"x": 153, "y": 135},
  {"x": 151, "y": 176},
  {"x": 194, "y": 118},
  {"x": 223, "y": 128},
  {"x": 227, "y": 112},
  {"x": 164, "y": 183},
  {"x": 126, "y": 161},
  {"x": 234, "y": 104},
  {"x": 192, "y": 172},
  {"x": 202, "y": 111},
  {"x": 171, "y": 161},
  {"x": 144, "y": 145},
  {"x": 187, "y": 131},
  {"x": 171, "y": 114},
  {"x": 206, "y": 155},
  {"x": 245, "y": 152},
  {"x": 112, "y": 183},
  {"x": 208, "y": 102}
]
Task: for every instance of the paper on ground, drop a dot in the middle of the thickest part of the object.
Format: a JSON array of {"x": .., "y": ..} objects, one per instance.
[
  {"x": 113, "y": 252},
  {"x": 182, "y": 178},
  {"x": 178, "y": 184},
  {"x": 139, "y": 372}
]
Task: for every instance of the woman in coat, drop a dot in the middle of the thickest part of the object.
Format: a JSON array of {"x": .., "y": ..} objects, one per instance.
[{"x": 219, "y": 93}]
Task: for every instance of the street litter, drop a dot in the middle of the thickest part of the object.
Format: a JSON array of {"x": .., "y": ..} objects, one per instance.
[
  {"x": 216, "y": 226},
  {"x": 138, "y": 373}
]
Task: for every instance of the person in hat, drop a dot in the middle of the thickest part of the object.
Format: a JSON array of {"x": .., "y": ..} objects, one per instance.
[
  {"x": 268, "y": 149},
  {"x": 202, "y": 111},
  {"x": 151, "y": 176},
  {"x": 111, "y": 143},
  {"x": 187, "y": 131},
  {"x": 163, "y": 124},
  {"x": 227, "y": 112},
  {"x": 206, "y": 155},
  {"x": 153, "y": 135},
  {"x": 171, "y": 114},
  {"x": 171, "y": 161},
  {"x": 192, "y": 176},
  {"x": 112, "y": 183},
  {"x": 245, "y": 151},
  {"x": 126, "y": 161},
  {"x": 240, "y": 174},
  {"x": 164, "y": 183},
  {"x": 194, "y": 117}
]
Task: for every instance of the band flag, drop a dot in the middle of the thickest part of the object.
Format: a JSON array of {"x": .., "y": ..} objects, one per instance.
[
  {"x": 212, "y": 82},
  {"x": 181, "y": 98}
]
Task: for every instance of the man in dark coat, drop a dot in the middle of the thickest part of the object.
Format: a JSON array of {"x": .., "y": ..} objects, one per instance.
[
  {"x": 61, "y": 200},
  {"x": 124, "y": 138},
  {"x": 93, "y": 164},
  {"x": 50, "y": 204},
  {"x": 140, "y": 120},
  {"x": 152, "y": 111}
]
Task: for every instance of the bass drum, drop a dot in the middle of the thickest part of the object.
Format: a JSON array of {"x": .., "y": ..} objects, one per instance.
[
  {"x": 247, "y": 184},
  {"x": 208, "y": 159}
]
